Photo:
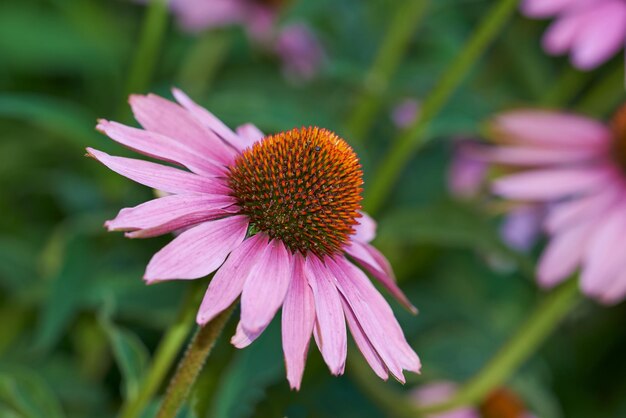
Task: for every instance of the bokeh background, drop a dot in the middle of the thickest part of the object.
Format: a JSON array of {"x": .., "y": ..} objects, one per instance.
[{"x": 78, "y": 326}]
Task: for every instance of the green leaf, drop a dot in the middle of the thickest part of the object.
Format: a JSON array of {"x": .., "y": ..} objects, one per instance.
[
  {"x": 252, "y": 370},
  {"x": 130, "y": 354},
  {"x": 27, "y": 395}
]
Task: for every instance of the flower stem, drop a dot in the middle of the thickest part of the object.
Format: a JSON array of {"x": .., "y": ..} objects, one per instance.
[
  {"x": 520, "y": 347},
  {"x": 511, "y": 356},
  {"x": 165, "y": 354},
  {"x": 387, "y": 59},
  {"x": 415, "y": 136},
  {"x": 191, "y": 364},
  {"x": 605, "y": 96},
  {"x": 152, "y": 33}
]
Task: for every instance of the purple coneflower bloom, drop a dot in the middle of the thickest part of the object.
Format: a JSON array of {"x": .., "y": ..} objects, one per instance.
[
  {"x": 577, "y": 165},
  {"x": 501, "y": 403},
  {"x": 276, "y": 217},
  {"x": 591, "y": 30}
]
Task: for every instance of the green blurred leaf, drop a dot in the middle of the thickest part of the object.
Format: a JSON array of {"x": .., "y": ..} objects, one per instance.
[
  {"x": 28, "y": 396},
  {"x": 252, "y": 370},
  {"x": 64, "y": 118},
  {"x": 131, "y": 355}
]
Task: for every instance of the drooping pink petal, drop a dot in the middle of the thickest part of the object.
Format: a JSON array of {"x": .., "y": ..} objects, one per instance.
[
  {"x": 169, "y": 213},
  {"x": 616, "y": 290},
  {"x": 209, "y": 120},
  {"x": 161, "y": 147},
  {"x": 365, "y": 231},
  {"x": 250, "y": 134},
  {"x": 244, "y": 338},
  {"x": 605, "y": 251},
  {"x": 330, "y": 332},
  {"x": 297, "y": 322},
  {"x": 552, "y": 129},
  {"x": 561, "y": 34},
  {"x": 374, "y": 326},
  {"x": 266, "y": 286},
  {"x": 228, "y": 282},
  {"x": 563, "y": 254},
  {"x": 550, "y": 183},
  {"x": 197, "y": 251},
  {"x": 522, "y": 226},
  {"x": 161, "y": 177},
  {"x": 568, "y": 213},
  {"x": 545, "y": 8},
  {"x": 376, "y": 264},
  {"x": 364, "y": 344},
  {"x": 354, "y": 283},
  {"x": 161, "y": 116},
  {"x": 602, "y": 35}
]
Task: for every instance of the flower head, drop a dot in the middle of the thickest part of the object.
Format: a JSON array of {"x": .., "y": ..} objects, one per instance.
[
  {"x": 591, "y": 30},
  {"x": 577, "y": 165},
  {"x": 276, "y": 217},
  {"x": 501, "y": 403}
]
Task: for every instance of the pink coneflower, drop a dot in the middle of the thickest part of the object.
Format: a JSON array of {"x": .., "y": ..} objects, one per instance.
[
  {"x": 501, "y": 403},
  {"x": 296, "y": 44},
  {"x": 276, "y": 217},
  {"x": 591, "y": 30},
  {"x": 578, "y": 165}
]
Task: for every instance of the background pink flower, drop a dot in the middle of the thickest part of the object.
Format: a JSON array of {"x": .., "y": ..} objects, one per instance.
[
  {"x": 592, "y": 31},
  {"x": 577, "y": 165}
]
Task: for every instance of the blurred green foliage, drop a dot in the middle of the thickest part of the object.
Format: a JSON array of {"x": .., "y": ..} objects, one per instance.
[{"x": 78, "y": 324}]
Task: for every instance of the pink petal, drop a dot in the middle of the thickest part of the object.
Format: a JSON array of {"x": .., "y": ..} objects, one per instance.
[
  {"x": 169, "y": 213},
  {"x": 364, "y": 344},
  {"x": 563, "y": 254},
  {"x": 228, "y": 282},
  {"x": 602, "y": 35},
  {"x": 243, "y": 338},
  {"x": 360, "y": 293},
  {"x": 526, "y": 155},
  {"x": 376, "y": 330},
  {"x": 297, "y": 322},
  {"x": 552, "y": 129},
  {"x": 266, "y": 286},
  {"x": 250, "y": 134},
  {"x": 545, "y": 8},
  {"x": 550, "y": 184},
  {"x": 330, "y": 331},
  {"x": 522, "y": 226},
  {"x": 605, "y": 251},
  {"x": 159, "y": 146},
  {"x": 209, "y": 120},
  {"x": 562, "y": 33},
  {"x": 574, "y": 211},
  {"x": 616, "y": 290},
  {"x": 197, "y": 251},
  {"x": 161, "y": 116},
  {"x": 376, "y": 264},
  {"x": 161, "y": 177},
  {"x": 365, "y": 231}
]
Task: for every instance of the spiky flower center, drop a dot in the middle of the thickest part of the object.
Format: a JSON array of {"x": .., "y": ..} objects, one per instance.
[
  {"x": 618, "y": 125},
  {"x": 302, "y": 187}
]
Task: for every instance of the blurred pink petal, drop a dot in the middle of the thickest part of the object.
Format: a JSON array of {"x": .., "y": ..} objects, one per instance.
[
  {"x": 438, "y": 392},
  {"x": 250, "y": 133},
  {"x": 405, "y": 113},
  {"x": 467, "y": 173},
  {"x": 522, "y": 226},
  {"x": 365, "y": 231},
  {"x": 300, "y": 51}
]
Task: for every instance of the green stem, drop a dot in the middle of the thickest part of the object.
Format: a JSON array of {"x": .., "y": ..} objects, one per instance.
[
  {"x": 566, "y": 88},
  {"x": 191, "y": 364},
  {"x": 388, "y": 57},
  {"x": 165, "y": 355},
  {"x": 415, "y": 136},
  {"x": 520, "y": 347},
  {"x": 511, "y": 356},
  {"x": 152, "y": 33},
  {"x": 605, "y": 96}
]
